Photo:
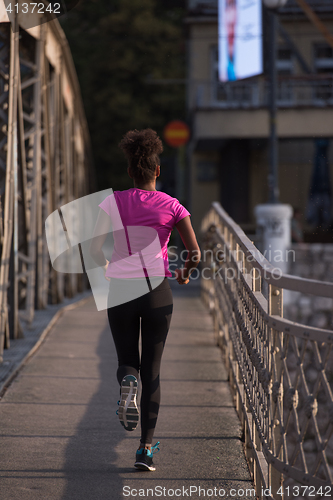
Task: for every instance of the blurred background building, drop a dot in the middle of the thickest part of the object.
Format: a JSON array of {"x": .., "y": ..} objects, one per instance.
[{"x": 228, "y": 153}]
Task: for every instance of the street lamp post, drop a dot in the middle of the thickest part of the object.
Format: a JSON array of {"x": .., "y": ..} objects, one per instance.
[
  {"x": 274, "y": 218},
  {"x": 273, "y": 182}
]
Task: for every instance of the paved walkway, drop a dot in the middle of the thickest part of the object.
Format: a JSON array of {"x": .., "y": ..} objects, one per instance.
[
  {"x": 21, "y": 349},
  {"x": 61, "y": 439}
]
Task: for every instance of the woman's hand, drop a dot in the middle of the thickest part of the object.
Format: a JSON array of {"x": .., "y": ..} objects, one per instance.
[
  {"x": 182, "y": 276},
  {"x": 104, "y": 269}
]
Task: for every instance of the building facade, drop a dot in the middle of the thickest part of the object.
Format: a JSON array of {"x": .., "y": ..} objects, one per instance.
[{"x": 229, "y": 151}]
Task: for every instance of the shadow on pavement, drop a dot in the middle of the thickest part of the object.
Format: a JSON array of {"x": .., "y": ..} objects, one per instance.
[{"x": 90, "y": 455}]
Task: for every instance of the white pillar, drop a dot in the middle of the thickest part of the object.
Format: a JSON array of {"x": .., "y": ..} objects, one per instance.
[{"x": 274, "y": 231}]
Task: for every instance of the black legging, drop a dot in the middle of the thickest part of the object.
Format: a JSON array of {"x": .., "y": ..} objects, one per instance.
[{"x": 155, "y": 310}]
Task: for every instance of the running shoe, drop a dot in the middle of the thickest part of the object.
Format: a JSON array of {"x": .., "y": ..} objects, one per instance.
[
  {"x": 128, "y": 411},
  {"x": 144, "y": 458}
]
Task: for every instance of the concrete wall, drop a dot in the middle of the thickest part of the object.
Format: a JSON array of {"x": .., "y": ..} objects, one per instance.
[
  {"x": 296, "y": 158},
  {"x": 297, "y": 126},
  {"x": 203, "y": 192},
  {"x": 314, "y": 261}
]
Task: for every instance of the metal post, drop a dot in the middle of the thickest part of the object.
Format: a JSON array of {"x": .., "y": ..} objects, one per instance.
[
  {"x": 275, "y": 307},
  {"x": 8, "y": 214},
  {"x": 273, "y": 185}
]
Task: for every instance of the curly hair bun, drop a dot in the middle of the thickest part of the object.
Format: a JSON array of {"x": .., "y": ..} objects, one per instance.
[
  {"x": 141, "y": 142},
  {"x": 142, "y": 147}
]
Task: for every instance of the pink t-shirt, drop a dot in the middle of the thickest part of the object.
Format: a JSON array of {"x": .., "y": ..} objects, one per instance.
[{"x": 141, "y": 222}]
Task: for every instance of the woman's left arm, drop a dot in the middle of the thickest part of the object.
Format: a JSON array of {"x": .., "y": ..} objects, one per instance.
[{"x": 101, "y": 230}]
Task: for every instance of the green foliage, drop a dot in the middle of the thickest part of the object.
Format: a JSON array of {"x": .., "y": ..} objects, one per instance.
[{"x": 117, "y": 46}]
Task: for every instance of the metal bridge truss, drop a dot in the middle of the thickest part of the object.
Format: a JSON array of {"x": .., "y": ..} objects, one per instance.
[
  {"x": 280, "y": 371},
  {"x": 45, "y": 162}
]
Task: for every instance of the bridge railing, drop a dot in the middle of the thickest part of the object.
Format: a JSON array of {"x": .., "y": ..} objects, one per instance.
[
  {"x": 280, "y": 372},
  {"x": 45, "y": 162}
]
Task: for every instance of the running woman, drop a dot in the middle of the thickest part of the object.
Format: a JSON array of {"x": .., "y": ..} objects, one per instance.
[{"x": 139, "y": 295}]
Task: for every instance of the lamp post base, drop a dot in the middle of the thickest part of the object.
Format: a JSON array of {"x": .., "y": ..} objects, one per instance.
[{"x": 274, "y": 235}]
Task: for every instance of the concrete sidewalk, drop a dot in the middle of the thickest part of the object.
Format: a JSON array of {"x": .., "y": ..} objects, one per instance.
[{"x": 61, "y": 438}]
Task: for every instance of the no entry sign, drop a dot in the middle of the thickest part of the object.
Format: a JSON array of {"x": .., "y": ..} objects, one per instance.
[{"x": 176, "y": 133}]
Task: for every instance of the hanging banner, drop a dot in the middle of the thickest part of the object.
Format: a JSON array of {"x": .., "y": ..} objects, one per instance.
[{"x": 240, "y": 39}]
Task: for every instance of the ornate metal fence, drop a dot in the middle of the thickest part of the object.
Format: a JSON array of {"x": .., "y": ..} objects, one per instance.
[
  {"x": 281, "y": 372},
  {"x": 45, "y": 162}
]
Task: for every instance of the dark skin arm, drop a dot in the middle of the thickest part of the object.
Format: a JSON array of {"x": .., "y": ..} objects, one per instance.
[{"x": 189, "y": 239}]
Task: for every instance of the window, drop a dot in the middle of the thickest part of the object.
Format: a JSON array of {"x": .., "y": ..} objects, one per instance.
[
  {"x": 323, "y": 58},
  {"x": 284, "y": 61},
  {"x": 285, "y": 67}
]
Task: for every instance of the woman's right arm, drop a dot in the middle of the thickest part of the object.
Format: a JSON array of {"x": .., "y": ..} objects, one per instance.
[
  {"x": 101, "y": 230},
  {"x": 187, "y": 234}
]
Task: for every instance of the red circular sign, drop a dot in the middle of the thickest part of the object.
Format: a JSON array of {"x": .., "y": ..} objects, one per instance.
[{"x": 176, "y": 133}]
